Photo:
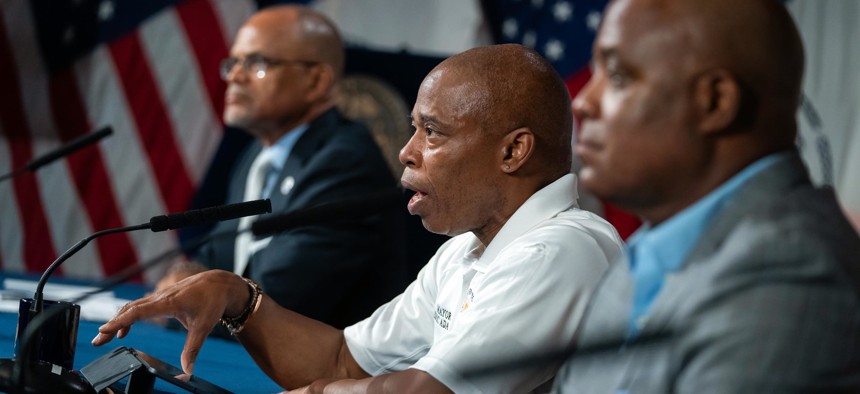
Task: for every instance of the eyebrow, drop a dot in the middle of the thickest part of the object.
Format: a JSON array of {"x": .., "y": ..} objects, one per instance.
[
  {"x": 249, "y": 54},
  {"x": 429, "y": 119}
]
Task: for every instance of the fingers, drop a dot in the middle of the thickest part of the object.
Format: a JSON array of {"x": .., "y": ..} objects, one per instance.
[
  {"x": 101, "y": 339},
  {"x": 129, "y": 314},
  {"x": 193, "y": 343}
]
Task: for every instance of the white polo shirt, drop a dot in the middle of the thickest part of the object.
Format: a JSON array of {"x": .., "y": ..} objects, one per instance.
[{"x": 472, "y": 306}]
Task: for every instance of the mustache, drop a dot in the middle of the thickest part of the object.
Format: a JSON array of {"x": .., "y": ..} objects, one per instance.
[{"x": 235, "y": 90}]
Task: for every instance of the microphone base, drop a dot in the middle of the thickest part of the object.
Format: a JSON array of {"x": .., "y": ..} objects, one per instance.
[{"x": 43, "y": 377}]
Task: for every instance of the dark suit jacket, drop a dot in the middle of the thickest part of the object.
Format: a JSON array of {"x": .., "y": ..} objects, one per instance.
[
  {"x": 766, "y": 301},
  {"x": 337, "y": 273}
]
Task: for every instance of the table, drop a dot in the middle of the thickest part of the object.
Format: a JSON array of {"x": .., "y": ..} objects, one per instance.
[{"x": 221, "y": 361}]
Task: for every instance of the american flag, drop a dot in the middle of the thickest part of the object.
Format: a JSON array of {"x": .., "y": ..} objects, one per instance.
[
  {"x": 148, "y": 69},
  {"x": 563, "y": 32}
]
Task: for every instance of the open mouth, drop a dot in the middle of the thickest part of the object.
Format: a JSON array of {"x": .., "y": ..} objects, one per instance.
[
  {"x": 415, "y": 202},
  {"x": 416, "y": 199}
]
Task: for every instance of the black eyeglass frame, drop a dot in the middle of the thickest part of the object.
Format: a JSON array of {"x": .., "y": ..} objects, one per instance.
[{"x": 257, "y": 64}]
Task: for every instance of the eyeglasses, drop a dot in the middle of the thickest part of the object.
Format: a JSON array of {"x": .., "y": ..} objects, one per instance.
[{"x": 257, "y": 64}]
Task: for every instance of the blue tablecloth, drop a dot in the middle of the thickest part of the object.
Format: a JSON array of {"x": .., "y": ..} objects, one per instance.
[{"x": 222, "y": 362}]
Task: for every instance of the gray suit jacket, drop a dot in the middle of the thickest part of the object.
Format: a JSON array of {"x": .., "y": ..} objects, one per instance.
[{"x": 767, "y": 301}]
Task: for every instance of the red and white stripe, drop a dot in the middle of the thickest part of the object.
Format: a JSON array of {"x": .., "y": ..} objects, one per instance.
[{"x": 158, "y": 87}]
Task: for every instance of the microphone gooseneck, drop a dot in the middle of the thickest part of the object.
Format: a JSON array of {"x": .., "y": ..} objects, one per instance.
[
  {"x": 27, "y": 351},
  {"x": 17, "y": 378},
  {"x": 345, "y": 209},
  {"x": 351, "y": 208},
  {"x": 40, "y": 287},
  {"x": 63, "y": 151},
  {"x": 156, "y": 224}
]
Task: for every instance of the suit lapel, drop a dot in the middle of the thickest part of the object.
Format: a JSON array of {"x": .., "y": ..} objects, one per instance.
[
  {"x": 315, "y": 136},
  {"x": 759, "y": 189}
]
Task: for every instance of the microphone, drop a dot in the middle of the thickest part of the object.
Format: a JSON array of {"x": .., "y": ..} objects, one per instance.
[
  {"x": 44, "y": 377},
  {"x": 210, "y": 215},
  {"x": 65, "y": 150},
  {"x": 156, "y": 224},
  {"x": 345, "y": 209},
  {"x": 67, "y": 380}
]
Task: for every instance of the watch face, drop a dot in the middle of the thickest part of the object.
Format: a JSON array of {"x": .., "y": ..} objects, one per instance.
[{"x": 381, "y": 108}]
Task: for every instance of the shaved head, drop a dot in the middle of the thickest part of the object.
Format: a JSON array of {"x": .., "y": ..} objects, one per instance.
[
  {"x": 755, "y": 40},
  {"x": 303, "y": 56},
  {"x": 319, "y": 38},
  {"x": 492, "y": 127},
  {"x": 684, "y": 95},
  {"x": 509, "y": 86}
]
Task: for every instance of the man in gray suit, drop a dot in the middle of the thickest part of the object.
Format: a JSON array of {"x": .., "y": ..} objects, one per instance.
[{"x": 744, "y": 277}]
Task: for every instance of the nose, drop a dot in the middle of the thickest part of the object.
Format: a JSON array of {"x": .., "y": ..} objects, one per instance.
[
  {"x": 410, "y": 155},
  {"x": 236, "y": 72},
  {"x": 586, "y": 104}
]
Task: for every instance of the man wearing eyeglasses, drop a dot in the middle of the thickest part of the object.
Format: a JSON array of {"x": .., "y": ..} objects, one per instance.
[{"x": 282, "y": 77}]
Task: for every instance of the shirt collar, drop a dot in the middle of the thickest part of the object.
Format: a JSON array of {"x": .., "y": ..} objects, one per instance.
[
  {"x": 558, "y": 196},
  {"x": 671, "y": 241},
  {"x": 280, "y": 150}
]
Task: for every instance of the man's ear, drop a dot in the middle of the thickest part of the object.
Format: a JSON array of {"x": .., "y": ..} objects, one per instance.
[
  {"x": 517, "y": 147},
  {"x": 718, "y": 100},
  {"x": 323, "y": 79}
]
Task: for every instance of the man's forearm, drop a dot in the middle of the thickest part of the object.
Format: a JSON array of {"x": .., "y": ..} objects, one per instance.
[
  {"x": 295, "y": 350},
  {"x": 408, "y": 381}
]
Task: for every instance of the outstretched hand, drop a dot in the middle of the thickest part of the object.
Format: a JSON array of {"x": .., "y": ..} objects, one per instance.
[{"x": 198, "y": 302}]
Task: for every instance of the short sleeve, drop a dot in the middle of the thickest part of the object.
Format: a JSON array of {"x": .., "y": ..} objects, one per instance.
[
  {"x": 397, "y": 334},
  {"x": 529, "y": 302}
]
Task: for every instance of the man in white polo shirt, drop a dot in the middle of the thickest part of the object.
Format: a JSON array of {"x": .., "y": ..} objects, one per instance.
[{"x": 489, "y": 162}]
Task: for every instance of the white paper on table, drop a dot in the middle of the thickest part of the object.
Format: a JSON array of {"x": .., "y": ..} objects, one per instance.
[{"x": 101, "y": 306}]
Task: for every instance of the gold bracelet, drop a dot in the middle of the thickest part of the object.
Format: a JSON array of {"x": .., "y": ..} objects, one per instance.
[{"x": 235, "y": 325}]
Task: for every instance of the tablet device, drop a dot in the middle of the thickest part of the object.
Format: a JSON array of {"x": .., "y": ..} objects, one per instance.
[{"x": 123, "y": 361}]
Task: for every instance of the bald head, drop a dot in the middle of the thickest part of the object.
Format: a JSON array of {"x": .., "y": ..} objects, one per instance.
[
  {"x": 758, "y": 40},
  {"x": 684, "y": 95},
  {"x": 492, "y": 127},
  {"x": 302, "y": 57},
  {"x": 307, "y": 31},
  {"x": 506, "y": 87},
  {"x": 755, "y": 40}
]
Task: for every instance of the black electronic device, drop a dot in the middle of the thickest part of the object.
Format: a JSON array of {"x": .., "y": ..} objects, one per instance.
[
  {"x": 142, "y": 371},
  {"x": 18, "y": 378},
  {"x": 26, "y": 368},
  {"x": 45, "y": 377}
]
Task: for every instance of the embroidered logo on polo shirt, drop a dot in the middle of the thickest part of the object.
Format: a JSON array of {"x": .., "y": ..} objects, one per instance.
[
  {"x": 442, "y": 317},
  {"x": 470, "y": 296}
]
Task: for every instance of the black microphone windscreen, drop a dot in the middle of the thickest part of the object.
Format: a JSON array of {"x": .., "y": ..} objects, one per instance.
[
  {"x": 347, "y": 209},
  {"x": 210, "y": 215}
]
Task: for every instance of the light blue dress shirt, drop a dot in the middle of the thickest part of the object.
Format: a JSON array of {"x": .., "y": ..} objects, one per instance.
[
  {"x": 280, "y": 151},
  {"x": 655, "y": 252}
]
